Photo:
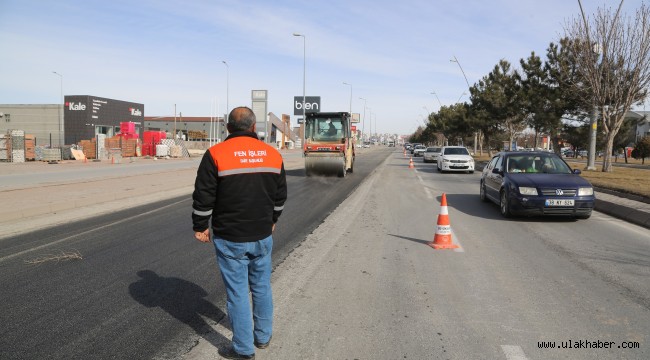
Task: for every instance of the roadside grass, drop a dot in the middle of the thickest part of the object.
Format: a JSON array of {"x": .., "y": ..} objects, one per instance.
[{"x": 628, "y": 180}]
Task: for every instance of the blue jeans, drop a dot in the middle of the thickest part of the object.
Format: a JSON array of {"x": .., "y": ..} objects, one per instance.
[{"x": 247, "y": 266}]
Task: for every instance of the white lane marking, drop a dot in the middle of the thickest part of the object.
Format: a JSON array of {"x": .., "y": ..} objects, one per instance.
[
  {"x": 420, "y": 178},
  {"x": 513, "y": 352},
  {"x": 86, "y": 232},
  {"x": 429, "y": 194}
]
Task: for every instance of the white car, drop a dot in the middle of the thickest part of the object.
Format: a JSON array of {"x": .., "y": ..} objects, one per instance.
[
  {"x": 455, "y": 158},
  {"x": 419, "y": 150},
  {"x": 431, "y": 155}
]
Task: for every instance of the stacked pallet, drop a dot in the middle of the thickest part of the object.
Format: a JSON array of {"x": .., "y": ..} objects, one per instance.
[
  {"x": 66, "y": 152},
  {"x": 176, "y": 142},
  {"x": 17, "y": 146},
  {"x": 127, "y": 147},
  {"x": 30, "y": 145},
  {"x": 196, "y": 134},
  {"x": 162, "y": 150},
  {"x": 5, "y": 147},
  {"x": 89, "y": 148},
  {"x": 175, "y": 151},
  {"x": 46, "y": 154}
]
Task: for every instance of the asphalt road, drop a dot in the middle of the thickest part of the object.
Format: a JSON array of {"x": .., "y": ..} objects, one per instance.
[
  {"x": 368, "y": 286},
  {"x": 362, "y": 285},
  {"x": 144, "y": 287}
]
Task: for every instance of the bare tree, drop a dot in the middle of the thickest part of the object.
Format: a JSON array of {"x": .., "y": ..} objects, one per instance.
[{"x": 613, "y": 57}]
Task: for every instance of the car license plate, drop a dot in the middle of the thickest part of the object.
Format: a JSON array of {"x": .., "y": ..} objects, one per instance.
[{"x": 559, "y": 202}]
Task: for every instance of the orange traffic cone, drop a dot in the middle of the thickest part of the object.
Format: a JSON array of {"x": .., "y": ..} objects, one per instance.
[
  {"x": 411, "y": 166},
  {"x": 442, "y": 238}
]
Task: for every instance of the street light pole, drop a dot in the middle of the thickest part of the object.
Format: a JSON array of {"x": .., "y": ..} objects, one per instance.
[
  {"x": 350, "y": 121},
  {"x": 461, "y": 70},
  {"x": 363, "y": 124},
  {"x": 350, "y": 85},
  {"x": 60, "y": 112},
  {"x": 468, "y": 88},
  {"x": 304, "y": 75},
  {"x": 434, "y": 93},
  {"x": 370, "y": 124},
  {"x": 227, "y": 100}
]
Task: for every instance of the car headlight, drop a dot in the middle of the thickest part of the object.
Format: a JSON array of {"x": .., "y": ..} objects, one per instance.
[
  {"x": 445, "y": 160},
  {"x": 528, "y": 191},
  {"x": 587, "y": 191}
]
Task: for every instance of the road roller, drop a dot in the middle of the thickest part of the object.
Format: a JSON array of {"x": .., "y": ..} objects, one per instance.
[{"x": 329, "y": 144}]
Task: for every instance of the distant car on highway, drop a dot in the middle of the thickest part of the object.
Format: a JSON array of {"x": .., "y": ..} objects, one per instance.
[
  {"x": 419, "y": 150},
  {"x": 431, "y": 154},
  {"x": 455, "y": 158},
  {"x": 536, "y": 183},
  {"x": 413, "y": 147}
]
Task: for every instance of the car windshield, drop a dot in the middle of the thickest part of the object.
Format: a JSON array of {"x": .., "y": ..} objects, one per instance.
[
  {"x": 536, "y": 164},
  {"x": 324, "y": 128},
  {"x": 433, "y": 149},
  {"x": 456, "y": 151}
]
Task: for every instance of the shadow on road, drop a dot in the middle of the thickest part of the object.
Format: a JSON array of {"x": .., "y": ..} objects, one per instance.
[
  {"x": 180, "y": 298},
  {"x": 420, "y": 241}
]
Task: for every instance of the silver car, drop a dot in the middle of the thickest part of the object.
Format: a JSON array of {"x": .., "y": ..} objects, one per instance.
[
  {"x": 431, "y": 154},
  {"x": 419, "y": 150}
]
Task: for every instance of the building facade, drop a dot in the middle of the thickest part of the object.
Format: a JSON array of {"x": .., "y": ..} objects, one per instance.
[
  {"x": 87, "y": 116},
  {"x": 40, "y": 120}
]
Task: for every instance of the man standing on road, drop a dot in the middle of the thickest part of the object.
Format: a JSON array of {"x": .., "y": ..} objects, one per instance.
[{"x": 241, "y": 185}]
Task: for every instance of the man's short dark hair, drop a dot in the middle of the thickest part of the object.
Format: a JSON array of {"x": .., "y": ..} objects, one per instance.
[{"x": 241, "y": 119}]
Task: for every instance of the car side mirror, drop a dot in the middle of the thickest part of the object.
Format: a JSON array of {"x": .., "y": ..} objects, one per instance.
[
  {"x": 577, "y": 171},
  {"x": 497, "y": 171}
]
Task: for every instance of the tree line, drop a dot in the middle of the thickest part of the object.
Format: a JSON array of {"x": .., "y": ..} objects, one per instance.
[{"x": 599, "y": 69}]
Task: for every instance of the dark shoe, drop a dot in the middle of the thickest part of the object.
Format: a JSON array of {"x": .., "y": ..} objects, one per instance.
[
  {"x": 263, "y": 346},
  {"x": 232, "y": 354}
]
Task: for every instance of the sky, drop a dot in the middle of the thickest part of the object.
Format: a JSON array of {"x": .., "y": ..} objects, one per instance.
[{"x": 169, "y": 54}]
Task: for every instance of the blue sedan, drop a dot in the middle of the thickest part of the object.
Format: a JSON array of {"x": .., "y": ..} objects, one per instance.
[{"x": 536, "y": 183}]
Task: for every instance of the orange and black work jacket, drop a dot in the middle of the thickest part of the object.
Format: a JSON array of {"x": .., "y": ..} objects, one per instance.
[{"x": 242, "y": 185}]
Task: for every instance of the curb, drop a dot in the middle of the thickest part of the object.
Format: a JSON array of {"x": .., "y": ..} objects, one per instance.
[
  {"x": 624, "y": 213},
  {"x": 628, "y": 214}
]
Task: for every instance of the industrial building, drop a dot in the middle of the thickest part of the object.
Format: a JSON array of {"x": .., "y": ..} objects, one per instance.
[{"x": 81, "y": 117}]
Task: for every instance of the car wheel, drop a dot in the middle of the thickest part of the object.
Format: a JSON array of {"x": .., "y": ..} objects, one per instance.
[
  {"x": 504, "y": 206},
  {"x": 471, "y": 172},
  {"x": 482, "y": 193},
  {"x": 584, "y": 216}
]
